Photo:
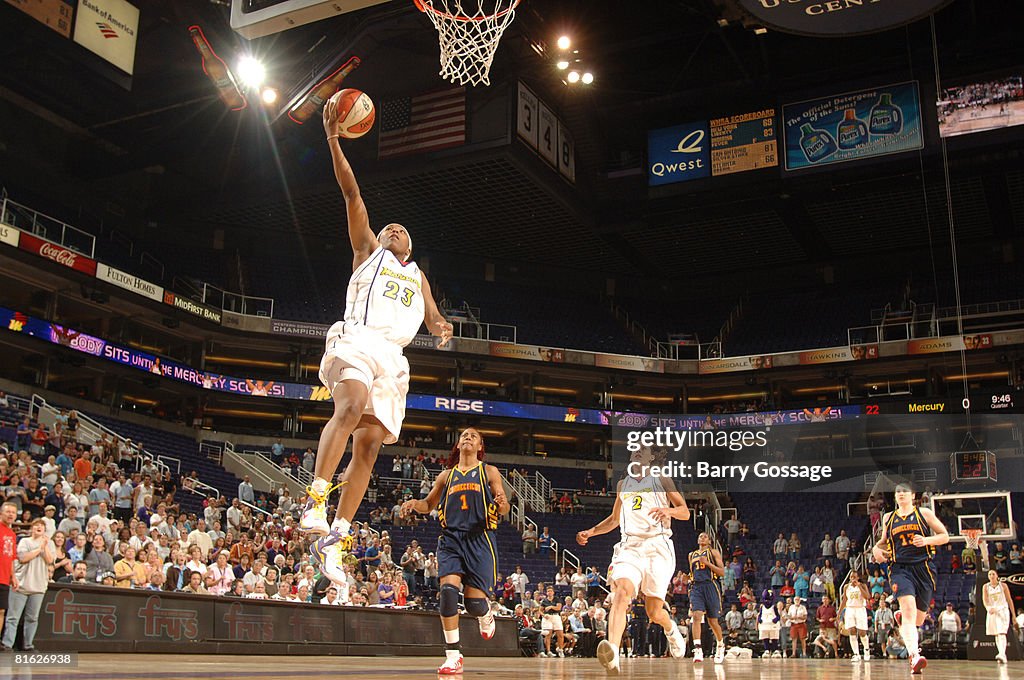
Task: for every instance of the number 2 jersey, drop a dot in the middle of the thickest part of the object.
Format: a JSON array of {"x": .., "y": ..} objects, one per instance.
[
  {"x": 638, "y": 496},
  {"x": 385, "y": 295}
]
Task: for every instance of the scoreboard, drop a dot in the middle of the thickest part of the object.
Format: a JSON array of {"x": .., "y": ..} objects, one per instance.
[
  {"x": 743, "y": 142},
  {"x": 1002, "y": 402}
]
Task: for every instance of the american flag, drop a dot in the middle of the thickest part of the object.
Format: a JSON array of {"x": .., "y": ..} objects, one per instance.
[{"x": 427, "y": 122}]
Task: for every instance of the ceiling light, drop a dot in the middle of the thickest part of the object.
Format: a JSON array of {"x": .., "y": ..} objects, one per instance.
[
  {"x": 269, "y": 95},
  {"x": 588, "y": 78},
  {"x": 562, "y": 65},
  {"x": 574, "y": 76},
  {"x": 564, "y": 42},
  {"x": 251, "y": 72},
  {"x": 760, "y": 30}
]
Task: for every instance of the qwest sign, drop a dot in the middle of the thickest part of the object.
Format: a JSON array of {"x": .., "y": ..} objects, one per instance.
[
  {"x": 678, "y": 154},
  {"x": 838, "y": 17}
]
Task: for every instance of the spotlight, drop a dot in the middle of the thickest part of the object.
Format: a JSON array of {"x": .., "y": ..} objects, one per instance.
[
  {"x": 562, "y": 65},
  {"x": 760, "y": 30},
  {"x": 251, "y": 72},
  {"x": 269, "y": 95},
  {"x": 574, "y": 76},
  {"x": 564, "y": 42},
  {"x": 588, "y": 78}
]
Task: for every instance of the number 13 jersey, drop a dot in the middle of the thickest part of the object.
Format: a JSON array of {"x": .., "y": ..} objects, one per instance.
[{"x": 386, "y": 295}]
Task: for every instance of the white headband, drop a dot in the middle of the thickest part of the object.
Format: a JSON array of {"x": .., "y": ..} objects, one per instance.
[{"x": 408, "y": 253}]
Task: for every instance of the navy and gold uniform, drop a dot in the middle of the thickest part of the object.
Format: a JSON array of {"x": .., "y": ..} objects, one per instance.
[
  {"x": 910, "y": 568},
  {"x": 705, "y": 590},
  {"x": 469, "y": 518}
]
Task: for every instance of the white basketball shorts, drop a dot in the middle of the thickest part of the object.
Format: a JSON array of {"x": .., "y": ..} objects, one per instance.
[
  {"x": 856, "y": 617},
  {"x": 355, "y": 352},
  {"x": 648, "y": 563}
]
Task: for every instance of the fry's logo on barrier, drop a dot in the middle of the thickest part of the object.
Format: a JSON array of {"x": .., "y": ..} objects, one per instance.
[
  {"x": 89, "y": 619},
  {"x": 177, "y": 623},
  {"x": 310, "y": 628},
  {"x": 243, "y": 626}
]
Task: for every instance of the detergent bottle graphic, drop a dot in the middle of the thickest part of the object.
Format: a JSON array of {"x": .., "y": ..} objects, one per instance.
[
  {"x": 851, "y": 132},
  {"x": 886, "y": 118},
  {"x": 816, "y": 144}
]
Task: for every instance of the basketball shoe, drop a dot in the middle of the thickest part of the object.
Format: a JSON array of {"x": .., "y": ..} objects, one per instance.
[
  {"x": 720, "y": 652},
  {"x": 608, "y": 656},
  {"x": 698, "y": 654},
  {"x": 917, "y": 664},
  {"x": 326, "y": 554},
  {"x": 314, "y": 516},
  {"x": 676, "y": 644},
  {"x": 452, "y": 664},
  {"x": 486, "y": 625}
]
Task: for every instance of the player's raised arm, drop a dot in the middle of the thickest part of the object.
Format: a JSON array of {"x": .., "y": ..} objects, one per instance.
[
  {"x": 364, "y": 241},
  {"x": 433, "y": 319},
  {"x": 679, "y": 510},
  {"x": 425, "y": 505},
  {"x": 497, "y": 489},
  {"x": 605, "y": 525},
  {"x": 940, "y": 536}
]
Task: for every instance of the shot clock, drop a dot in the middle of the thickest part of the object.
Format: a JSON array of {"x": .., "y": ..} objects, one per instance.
[{"x": 973, "y": 466}]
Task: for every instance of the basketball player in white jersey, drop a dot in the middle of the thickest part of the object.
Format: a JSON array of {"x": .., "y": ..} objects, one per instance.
[
  {"x": 1000, "y": 612},
  {"x": 363, "y": 367},
  {"x": 644, "y": 560},
  {"x": 854, "y": 604}
]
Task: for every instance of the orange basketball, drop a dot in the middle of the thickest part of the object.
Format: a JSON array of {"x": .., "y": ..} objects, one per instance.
[{"x": 355, "y": 112}]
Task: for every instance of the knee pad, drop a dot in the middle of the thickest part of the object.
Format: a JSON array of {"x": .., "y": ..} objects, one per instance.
[
  {"x": 449, "y": 604},
  {"x": 477, "y": 606}
]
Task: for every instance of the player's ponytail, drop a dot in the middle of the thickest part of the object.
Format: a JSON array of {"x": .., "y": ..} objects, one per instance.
[{"x": 453, "y": 457}]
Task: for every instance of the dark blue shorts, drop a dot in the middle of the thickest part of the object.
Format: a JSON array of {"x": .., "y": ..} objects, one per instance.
[
  {"x": 917, "y": 579},
  {"x": 473, "y": 556},
  {"x": 705, "y": 597}
]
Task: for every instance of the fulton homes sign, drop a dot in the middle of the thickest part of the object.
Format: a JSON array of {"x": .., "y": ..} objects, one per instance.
[{"x": 838, "y": 17}]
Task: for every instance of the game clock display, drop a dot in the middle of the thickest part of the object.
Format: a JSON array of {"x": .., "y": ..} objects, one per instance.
[{"x": 966, "y": 466}]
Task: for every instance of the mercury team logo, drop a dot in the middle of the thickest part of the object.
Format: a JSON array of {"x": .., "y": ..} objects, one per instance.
[{"x": 107, "y": 30}]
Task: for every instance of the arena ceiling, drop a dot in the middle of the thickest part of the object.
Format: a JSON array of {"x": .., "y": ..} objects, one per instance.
[{"x": 167, "y": 153}]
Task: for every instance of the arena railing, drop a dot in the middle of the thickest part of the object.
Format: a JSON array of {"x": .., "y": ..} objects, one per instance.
[
  {"x": 201, "y": 488},
  {"x": 248, "y": 305},
  {"x": 250, "y": 469},
  {"x": 473, "y": 330},
  {"x": 49, "y": 228},
  {"x": 253, "y": 507},
  {"x": 212, "y": 450},
  {"x": 89, "y": 430}
]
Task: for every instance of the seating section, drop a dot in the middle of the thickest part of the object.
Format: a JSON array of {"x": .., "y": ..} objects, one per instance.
[{"x": 546, "y": 316}]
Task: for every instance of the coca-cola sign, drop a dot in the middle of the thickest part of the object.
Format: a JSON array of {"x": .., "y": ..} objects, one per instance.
[{"x": 58, "y": 254}]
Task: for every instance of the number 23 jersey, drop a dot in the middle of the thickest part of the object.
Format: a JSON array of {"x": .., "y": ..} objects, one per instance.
[{"x": 386, "y": 295}]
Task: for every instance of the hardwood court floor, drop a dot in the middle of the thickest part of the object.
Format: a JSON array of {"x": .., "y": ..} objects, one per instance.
[{"x": 174, "y": 667}]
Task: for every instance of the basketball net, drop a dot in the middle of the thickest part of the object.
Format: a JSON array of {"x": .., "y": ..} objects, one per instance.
[
  {"x": 973, "y": 538},
  {"x": 468, "y": 34}
]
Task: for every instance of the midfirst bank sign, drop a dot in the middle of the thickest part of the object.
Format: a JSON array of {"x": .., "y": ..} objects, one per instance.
[{"x": 678, "y": 154}]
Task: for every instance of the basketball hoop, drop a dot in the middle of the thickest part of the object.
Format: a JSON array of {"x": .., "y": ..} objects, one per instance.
[
  {"x": 468, "y": 38},
  {"x": 973, "y": 537}
]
